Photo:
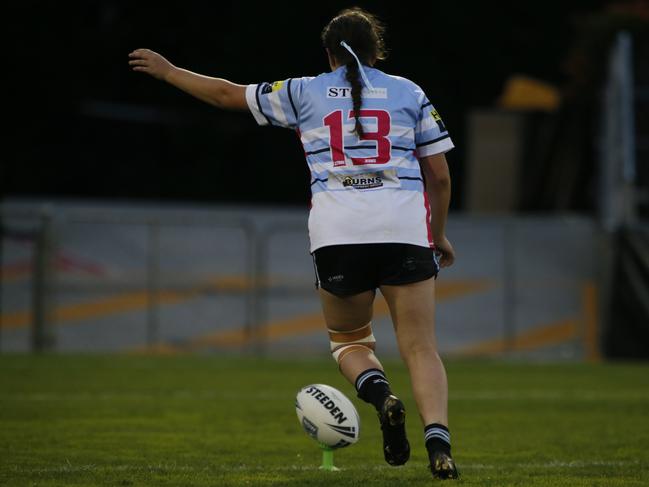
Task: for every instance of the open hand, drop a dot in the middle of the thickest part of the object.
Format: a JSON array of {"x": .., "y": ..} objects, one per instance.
[{"x": 150, "y": 62}]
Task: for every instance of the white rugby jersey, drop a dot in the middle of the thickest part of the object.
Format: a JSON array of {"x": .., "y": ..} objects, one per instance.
[{"x": 368, "y": 189}]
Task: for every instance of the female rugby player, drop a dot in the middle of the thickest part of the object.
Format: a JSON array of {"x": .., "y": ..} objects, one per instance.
[{"x": 380, "y": 193}]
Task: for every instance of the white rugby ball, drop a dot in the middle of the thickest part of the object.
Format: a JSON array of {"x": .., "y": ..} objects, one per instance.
[{"x": 327, "y": 415}]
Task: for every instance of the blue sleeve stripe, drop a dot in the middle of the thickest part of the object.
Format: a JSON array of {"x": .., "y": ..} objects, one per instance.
[
  {"x": 290, "y": 98},
  {"x": 259, "y": 104},
  {"x": 426, "y": 135},
  {"x": 287, "y": 109},
  {"x": 434, "y": 140}
]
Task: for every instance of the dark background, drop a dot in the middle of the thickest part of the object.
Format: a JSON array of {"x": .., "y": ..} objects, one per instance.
[{"x": 81, "y": 124}]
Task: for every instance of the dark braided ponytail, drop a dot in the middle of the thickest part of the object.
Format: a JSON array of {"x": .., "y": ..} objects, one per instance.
[
  {"x": 364, "y": 34},
  {"x": 354, "y": 78}
]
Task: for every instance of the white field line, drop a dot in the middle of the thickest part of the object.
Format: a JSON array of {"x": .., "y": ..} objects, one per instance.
[
  {"x": 546, "y": 394},
  {"x": 69, "y": 468},
  {"x": 555, "y": 464},
  {"x": 506, "y": 395}
]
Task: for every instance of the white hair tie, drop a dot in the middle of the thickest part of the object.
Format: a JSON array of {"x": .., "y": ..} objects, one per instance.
[{"x": 360, "y": 66}]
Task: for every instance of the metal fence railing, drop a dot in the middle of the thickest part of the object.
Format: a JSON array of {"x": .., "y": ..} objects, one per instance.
[
  {"x": 42, "y": 227},
  {"x": 124, "y": 279}
]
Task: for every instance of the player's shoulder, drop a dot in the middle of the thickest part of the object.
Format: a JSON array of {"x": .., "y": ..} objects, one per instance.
[
  {"x": 324, "y": 77},
  {"x": 304, "y": 79},
  {"x": 297, "y": 81},
  {"x": 405, "y": 82},
  {"x": 407, "y": 85},
  {"x": 283, "y": 85}
]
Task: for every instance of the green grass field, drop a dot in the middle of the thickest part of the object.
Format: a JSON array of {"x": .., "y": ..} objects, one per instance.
[{"x": 203, "y": 420}]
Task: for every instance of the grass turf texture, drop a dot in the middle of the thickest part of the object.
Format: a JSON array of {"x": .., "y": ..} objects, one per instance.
[{"x": 202, "y": 420}]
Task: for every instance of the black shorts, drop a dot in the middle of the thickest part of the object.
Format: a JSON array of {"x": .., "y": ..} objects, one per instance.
[{"x": 345, "y": 270}]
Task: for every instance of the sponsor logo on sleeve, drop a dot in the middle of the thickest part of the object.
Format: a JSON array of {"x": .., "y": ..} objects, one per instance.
[
  {"x": 271, "y": 87},
  {"x": 438, "y": 119}
]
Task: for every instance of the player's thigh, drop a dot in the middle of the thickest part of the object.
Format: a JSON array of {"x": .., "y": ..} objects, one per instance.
[
  {"x": 346, "y": 313},
  {"x": 412, "y": 308}
]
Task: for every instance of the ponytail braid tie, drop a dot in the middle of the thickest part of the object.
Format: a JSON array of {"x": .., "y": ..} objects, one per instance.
[{"x": 360, "y": 66}]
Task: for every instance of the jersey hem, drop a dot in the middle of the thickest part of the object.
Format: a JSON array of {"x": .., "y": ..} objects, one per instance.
[{"x": 329, "y": 243}]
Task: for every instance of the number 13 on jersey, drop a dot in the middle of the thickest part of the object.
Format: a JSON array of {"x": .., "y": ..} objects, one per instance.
[{"x": 336, "y": 139}]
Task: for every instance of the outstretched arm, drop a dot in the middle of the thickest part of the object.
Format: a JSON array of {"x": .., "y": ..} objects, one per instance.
[
  {"x": 438, "y": 187},
  {"x": 215, "y": 91}
]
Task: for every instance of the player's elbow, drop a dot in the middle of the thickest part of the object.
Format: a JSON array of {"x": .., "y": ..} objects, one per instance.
[
  {"x": 435, "y": 170},
  {"x": 218, "y": 98},
  {"x": 442, "y": 181},
  {"x": 439, "y": 179},
  {"x": 226, "y": 98}
]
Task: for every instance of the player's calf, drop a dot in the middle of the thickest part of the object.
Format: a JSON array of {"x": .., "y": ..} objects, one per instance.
[{"x": 373, "y": 387}]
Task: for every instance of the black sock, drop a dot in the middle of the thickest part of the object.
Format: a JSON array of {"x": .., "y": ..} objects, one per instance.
[
  {"x": 373, "y": 387},
  {"x": 437, "y": 438}
]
